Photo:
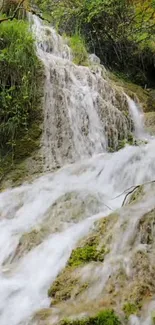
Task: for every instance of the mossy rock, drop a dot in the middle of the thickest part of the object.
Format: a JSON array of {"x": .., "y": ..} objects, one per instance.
[
  {"x": 63, "y": 286},
  {"x": 86, "y": 254},
  {"x": 92, "y": 249},
  {"x": 105, "y": 317}
]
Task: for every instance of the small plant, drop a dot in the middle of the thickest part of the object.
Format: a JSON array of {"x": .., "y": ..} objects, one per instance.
[
  {"x": 107, "y": 317},
  {"x": 130, "y": 309}
]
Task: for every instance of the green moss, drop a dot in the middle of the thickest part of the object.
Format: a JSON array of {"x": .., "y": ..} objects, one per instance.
[
  {"x": 105, "y": 317},
  {"x": 86, "y": 254},
  {"x": 130, "y": 309},
  {"x": 61, "y": 289}
]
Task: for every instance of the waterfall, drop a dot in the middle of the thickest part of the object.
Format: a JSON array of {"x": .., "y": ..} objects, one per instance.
[
  {"x": 81, "y": 112},
  {"x": 84, "y": 113}
]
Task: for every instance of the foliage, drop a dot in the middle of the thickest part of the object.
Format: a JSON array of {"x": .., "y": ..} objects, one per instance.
[
  {"x": 77, "y": 44},
  {"x": 120, "y": 32},
  {"x": 105, "y": 317},
  {"x": 20, "y": 80}
]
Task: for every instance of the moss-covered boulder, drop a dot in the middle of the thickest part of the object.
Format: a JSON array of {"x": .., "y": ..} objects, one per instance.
[
  {"x": 105, "y": 317},
  {"x": 69, "y": 284}
]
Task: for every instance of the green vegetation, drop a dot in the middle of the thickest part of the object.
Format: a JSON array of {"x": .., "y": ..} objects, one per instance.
[
  {"x": 77, "y": 44},
  {"x": 61, "y": 289},
  {"x": 124, "y": 142},
  {"x": 130, "y": 309},
  {"x": 120, "y": 32},
  {"x": 86, "y": 254},
  {"x": 20, "y": 93},
  {"x": 105, "y": 317}
]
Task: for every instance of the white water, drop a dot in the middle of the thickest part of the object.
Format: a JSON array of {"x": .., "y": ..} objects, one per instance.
[
  {"x": 138, "y": 119},
  {"x": 24, "y": 283}
]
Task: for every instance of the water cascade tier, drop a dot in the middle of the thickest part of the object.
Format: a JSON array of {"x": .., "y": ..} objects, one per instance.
[{"x": 84, "y": 113}]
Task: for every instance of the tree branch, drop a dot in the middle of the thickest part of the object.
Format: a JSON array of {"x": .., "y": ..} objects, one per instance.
[
  {"x": 14, "y": 14},
  {"x": 131, "y": 190}
]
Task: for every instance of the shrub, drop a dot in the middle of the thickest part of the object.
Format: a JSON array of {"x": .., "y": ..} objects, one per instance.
[{"x": 20, "y": 83}]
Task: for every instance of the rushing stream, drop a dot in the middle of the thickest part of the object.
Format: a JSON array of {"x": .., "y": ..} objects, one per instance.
[{"x": 96, "y": 178}]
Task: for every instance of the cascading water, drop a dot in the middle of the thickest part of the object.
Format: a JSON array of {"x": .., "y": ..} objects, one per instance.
[
  {"x": 138, "y": 119},
  {"x": 50, "y": 203},
  {"x": 82, "y": 110}
]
